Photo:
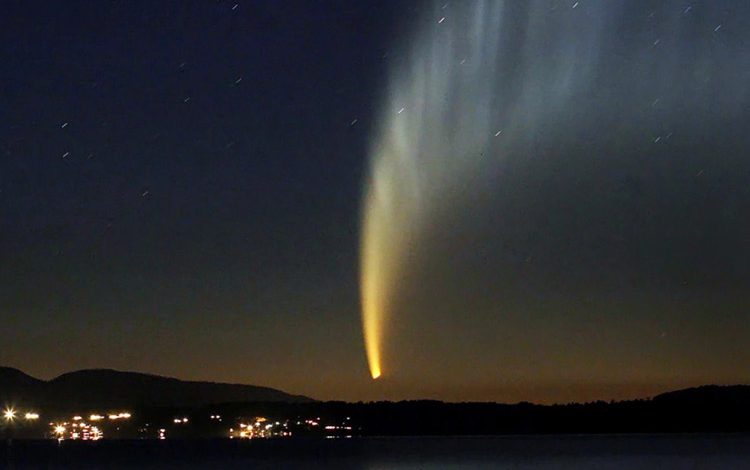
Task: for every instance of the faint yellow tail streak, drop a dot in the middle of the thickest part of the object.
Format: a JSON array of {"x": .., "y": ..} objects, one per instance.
[
  {"x": 372, "y": 308},
  {"x": 387, "y": 221},
  {"x": 372, "y": 282}
]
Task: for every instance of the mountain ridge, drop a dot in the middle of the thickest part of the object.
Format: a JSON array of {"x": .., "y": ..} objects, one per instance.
[{"x": 113, "y": 388}]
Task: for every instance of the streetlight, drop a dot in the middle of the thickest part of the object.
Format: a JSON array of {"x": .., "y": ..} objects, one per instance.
[{"x": 9, "y": 414}]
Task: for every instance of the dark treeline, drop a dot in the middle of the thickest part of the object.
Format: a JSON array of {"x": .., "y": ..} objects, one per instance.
[
  {"x": 156, "y": 402},
  {"x": 704, "y": 409}
]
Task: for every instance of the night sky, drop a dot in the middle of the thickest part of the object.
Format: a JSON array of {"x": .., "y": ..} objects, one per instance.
[{"x": 181, "y": 189}]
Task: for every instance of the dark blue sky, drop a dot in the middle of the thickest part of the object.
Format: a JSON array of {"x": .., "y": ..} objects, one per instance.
[
  {"x": 180, "y": 188},
  {"x": 178, "y": 178}
]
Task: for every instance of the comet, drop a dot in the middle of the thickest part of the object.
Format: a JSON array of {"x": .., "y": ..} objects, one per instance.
[
  {"x": 470, "y": 87},
  {"x": 434, "y": 123},
  {"x": 412, "y": 152}
]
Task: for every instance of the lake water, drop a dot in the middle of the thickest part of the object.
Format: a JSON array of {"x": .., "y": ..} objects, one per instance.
[{"x": 535, "y": 452}]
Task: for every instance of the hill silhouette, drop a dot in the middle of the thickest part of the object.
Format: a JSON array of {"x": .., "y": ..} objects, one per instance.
[
  {"x": 156, "y": 399},
  {"x": 15, "y": 384},
  {"x": 708, "y": 394},
  {"x": 95, "y": 388}
]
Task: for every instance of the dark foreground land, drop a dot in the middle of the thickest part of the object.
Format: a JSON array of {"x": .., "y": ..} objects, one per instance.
[
  {"x": 160, "y": 407},
  {"x": 703, "y": 410},
  {"x": 553, "y": 451}
]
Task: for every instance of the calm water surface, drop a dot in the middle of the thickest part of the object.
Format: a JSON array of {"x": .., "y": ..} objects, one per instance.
[{"x": 539, "y": 452}]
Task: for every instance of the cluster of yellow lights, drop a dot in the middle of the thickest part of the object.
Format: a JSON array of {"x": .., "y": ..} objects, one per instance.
[
  {"x": 78, "y": 430},
  {"x": 77, "y": 427},
  {"x": 259, "y": 430}
]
